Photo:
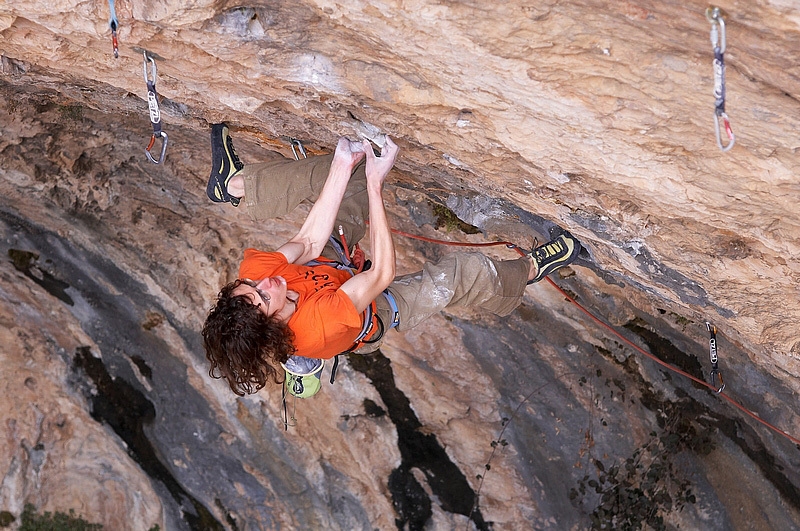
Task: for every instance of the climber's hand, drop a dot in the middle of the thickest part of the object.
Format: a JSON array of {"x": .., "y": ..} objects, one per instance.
[{"x": 378, "y": 167}]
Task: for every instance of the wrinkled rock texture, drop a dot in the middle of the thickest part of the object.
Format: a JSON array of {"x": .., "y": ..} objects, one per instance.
[{"x": 517, "y": 116}]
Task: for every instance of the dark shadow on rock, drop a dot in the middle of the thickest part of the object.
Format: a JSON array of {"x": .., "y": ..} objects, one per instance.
[
  {"x": 27, "y": 263},
  {"x": 127, "y": 411},
  {"x": 417, "y": 450}
]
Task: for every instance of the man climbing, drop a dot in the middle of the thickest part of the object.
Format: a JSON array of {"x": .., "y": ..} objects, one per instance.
[{"x": 295, "y": 302}]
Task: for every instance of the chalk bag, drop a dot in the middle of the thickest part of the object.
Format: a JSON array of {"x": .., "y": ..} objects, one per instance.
[{"x": 303, "y": 376}]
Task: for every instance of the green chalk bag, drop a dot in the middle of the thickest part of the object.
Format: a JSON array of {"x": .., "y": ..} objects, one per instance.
[{"x": 303, "y": 376}]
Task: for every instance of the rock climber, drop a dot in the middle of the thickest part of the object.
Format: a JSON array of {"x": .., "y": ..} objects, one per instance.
[{"x": 299, "y": 301}]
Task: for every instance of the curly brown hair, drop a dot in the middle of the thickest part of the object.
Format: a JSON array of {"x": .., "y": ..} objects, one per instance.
[{"x": 243, "y": 345}]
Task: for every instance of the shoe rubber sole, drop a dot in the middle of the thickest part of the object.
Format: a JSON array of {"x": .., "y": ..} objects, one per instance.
[
  {"x": 555, "y": 254},
  {"x": 224, "y": 165}
]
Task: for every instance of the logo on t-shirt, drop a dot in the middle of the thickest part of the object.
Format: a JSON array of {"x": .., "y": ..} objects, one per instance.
[{"x": 320, "y": 280}]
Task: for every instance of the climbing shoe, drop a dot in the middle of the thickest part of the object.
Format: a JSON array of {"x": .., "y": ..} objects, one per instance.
[
  {"x": 224, "y": 165},
  {"x": 558, "y": 252}
]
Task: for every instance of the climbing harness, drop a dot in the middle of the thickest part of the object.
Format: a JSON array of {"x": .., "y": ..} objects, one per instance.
[
  {"x": 297, "y": 146},
  {"x": 714, "y": 16},
  {"x": 373, "y": 328},
  {"x": 712, "y": 348},
  {"x": 114, "y": 24},
  {"x": 155, "y": 114}
]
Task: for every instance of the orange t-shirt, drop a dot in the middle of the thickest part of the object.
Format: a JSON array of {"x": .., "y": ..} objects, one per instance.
[{"x": 326, "y": 322}]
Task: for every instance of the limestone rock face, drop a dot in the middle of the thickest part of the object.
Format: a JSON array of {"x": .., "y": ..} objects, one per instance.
[{"x": 515, "y": 117}]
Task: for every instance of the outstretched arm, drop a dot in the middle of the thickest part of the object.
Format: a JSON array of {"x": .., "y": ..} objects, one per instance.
[
  {"x": 365, "y": 287},
  {"x": 313, "y": 235}
]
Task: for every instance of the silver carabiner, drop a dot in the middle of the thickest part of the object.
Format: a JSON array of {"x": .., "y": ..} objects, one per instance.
[
  {"x": 164, "y": 140},
  {"x": 714, "y": 16},
  {"x": 299, "y": 147},
  {"x": 153, "y": 68}
]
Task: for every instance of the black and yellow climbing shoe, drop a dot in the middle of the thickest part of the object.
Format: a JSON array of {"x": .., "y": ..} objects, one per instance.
[
  {"x": 224, "y": 165},
  {"x": 558, "y": 252}
]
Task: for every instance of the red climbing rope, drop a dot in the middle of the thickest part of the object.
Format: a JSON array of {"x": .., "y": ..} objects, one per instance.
[
  {"x": 453, "y": 244},
  {"x": 611, "y": 329}
]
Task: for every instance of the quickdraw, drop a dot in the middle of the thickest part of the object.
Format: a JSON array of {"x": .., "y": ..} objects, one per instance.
[
  {"x": 155, "y": 114},
  {"x": 373, "y": 327},
  {"x": 714, "y": 16},
  {"x": 712, "y": 348},
  {"x": 114, "y": 24}
]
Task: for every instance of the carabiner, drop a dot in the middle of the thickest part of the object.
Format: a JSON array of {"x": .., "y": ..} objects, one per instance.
[
  {"x": 164, "y": 140},
  {"x": 715, "y": 374},
  {"x": 153, "y": 68},
  {"x": 294, "y": 142},
  {"x": 726, "y": 123},
  {"x": 714, "y": 16}
]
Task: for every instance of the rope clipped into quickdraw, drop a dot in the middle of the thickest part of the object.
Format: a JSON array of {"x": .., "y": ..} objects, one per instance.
[
  {"x": 155, "y": 114},
  {"x": 712, "y": 349},
  {"x": 714, "y": 16},
  {"x": 114, "y": 24}
]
